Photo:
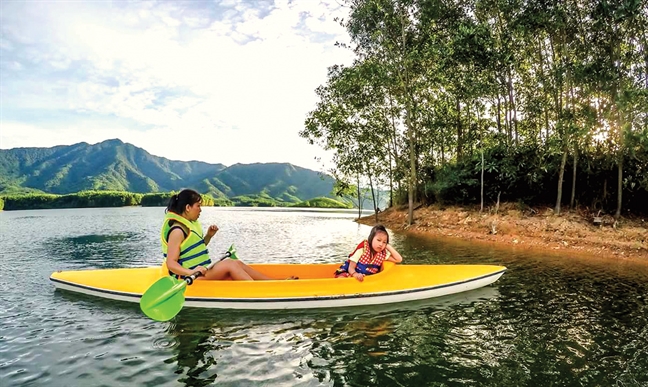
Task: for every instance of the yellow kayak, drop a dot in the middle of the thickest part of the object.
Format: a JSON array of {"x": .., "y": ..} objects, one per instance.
[{"x": 315, "y": 288}]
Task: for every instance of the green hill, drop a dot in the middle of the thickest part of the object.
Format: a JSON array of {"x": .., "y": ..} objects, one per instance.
[
  {"x": 281, "y": 181},
  {"x": 113, "y": 165}
]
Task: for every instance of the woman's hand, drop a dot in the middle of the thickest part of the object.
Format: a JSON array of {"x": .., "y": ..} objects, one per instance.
[
  {"x": 358, "y": 276},
  {"x": 211, "y": 231},
  {"x": 200, "y": 269}
]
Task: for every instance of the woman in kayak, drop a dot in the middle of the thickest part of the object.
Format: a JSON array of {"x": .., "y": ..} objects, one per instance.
[
  {"x": 185, "y": 248},
  {"x": 368, "y": 256}
]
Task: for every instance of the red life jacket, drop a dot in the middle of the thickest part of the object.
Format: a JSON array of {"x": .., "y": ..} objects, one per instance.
[{"x": 366, "y": 264}]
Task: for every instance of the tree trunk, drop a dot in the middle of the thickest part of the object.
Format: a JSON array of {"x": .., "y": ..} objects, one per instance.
[
  {"x": 395, "y": 150},
  {"x": 469, "y": 130},
  {"x": 545, "y": 111},
  {"x": 481, "y": 146},
  {"x": 617, "y": 214},
  {"x": 412, "y": 179},
  {"x": 561, "y": 174},
  {"x": 410, "y": 125},
  {"x": 373, "y": 198},
  {"x": 499, "y": 114},
  {"x": 546, "y": 116},
  {"x": 512, "y": 107},
  {"x": 391, "y": 183},
  {"x": 442, "y": 150},
  {"x": 359, "y": 197},
  {"x": 617, "y": 90},
  {"x": 573, "y": 191},
  {"x": 645, "y": 51},
  {"x": 459, "y": 132}
]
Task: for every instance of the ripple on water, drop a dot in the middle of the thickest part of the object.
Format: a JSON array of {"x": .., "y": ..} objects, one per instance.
[
  {"x": 165, "y": 342},
  {"x": 272, "y": 354}
]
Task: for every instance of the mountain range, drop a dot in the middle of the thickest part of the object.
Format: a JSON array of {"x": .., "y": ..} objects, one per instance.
[{"x": 119, "y": 166}]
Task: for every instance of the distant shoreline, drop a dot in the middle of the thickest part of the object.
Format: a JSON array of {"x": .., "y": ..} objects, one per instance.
[
  {"x": 163, "y": 206},
  {"x": 570, "y": 233},
  {"x": 101, "y": 199}
]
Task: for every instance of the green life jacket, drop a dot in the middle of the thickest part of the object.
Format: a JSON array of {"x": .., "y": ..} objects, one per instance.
[{"x": 193, "y": 251}]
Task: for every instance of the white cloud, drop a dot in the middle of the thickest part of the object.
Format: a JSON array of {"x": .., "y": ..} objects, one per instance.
[
  {"x": 234, "y": 83},
  {"x": 14, "y": 65}
]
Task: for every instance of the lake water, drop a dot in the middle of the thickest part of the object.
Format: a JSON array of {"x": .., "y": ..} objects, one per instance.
[{"x": 549, "y": 321}]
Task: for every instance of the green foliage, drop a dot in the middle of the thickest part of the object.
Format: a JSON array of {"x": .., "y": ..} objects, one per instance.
[
  {"x": 208, "y": 200},
  {"x": 7, "y": 188},
  {"x": 158, "y": 199},
  {"x": 161, "y": 199},
  {"x": 1, "y": 204},
  {"x": 453, "y": 185},
  {"x": 547, "y": 89},
  {"x": 221, "y": 202},
  {"x": 526, "y": 175},
  {"x": 322, "y": 202},
  {"x": 82, "y": 199},
  {"x": 256, "y": 201}
]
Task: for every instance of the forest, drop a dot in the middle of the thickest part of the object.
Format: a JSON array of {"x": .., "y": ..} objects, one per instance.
[
  {"x": 481, "y": 101},
  {"x": 96, "y": 198}
]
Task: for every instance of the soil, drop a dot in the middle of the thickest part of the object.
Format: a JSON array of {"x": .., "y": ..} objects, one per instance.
[{"x": 579, "y": 231}]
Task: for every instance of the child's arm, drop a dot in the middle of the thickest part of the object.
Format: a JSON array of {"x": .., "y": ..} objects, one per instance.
[
  {"x": 394, "y": 255},
  {"x": 353, "y": 273}
]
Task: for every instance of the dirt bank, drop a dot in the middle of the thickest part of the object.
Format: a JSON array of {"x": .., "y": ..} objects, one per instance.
[{"x": 534, "y": 228}]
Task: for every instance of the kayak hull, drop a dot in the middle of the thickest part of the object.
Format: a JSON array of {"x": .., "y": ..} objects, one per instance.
[{"x": 316, "y": 287}]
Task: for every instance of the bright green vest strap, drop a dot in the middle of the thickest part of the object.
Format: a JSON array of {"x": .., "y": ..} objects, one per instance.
[{"x": 193, "y": 251}]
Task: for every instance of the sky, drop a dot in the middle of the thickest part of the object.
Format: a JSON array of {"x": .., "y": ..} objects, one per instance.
[{"x": 220, "y": 81}]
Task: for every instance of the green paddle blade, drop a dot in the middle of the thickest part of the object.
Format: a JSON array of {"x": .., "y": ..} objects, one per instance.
[
  {"x": 232, "y": 251},
  {"x": 164, "y": 299}
]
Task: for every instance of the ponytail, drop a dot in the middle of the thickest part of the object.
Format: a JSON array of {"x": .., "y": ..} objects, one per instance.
[{"x": 178, "y": 202}]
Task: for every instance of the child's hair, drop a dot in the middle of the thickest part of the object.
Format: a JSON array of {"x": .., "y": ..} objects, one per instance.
[
  {"x": 376, "y": 229},
  {"x": 179, "y": 201}
]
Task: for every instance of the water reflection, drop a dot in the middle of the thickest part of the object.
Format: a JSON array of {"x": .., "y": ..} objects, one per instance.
[
  {"x": 336, "y": 346},
  {"x": 550, "y": 320},
  {"x": 194, "y": 345},
  {"x": 236, "y": 347},
  {"x": 91, "y": 251}
]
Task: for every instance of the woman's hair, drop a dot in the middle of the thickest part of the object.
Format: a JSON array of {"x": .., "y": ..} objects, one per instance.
[
  {"x": 376, "y": 229},
  {"x": 179, "y": 201}
]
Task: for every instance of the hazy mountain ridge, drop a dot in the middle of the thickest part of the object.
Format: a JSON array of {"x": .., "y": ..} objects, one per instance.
[{"x": 119, "y": 166}]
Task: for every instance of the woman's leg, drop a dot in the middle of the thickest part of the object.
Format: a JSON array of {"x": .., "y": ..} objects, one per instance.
[
  {"x": 253, "y": 273},
  {"x": 227, "y": 269}
]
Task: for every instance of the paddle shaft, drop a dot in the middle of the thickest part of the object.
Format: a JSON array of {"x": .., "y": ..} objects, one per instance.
[{"x": 190, "y": 279}]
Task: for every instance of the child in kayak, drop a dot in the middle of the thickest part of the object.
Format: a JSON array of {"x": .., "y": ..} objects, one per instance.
[{"x": 369, "y": 255}]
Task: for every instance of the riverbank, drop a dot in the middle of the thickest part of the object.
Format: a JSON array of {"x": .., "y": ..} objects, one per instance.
[{"x": 532, "y": 228}]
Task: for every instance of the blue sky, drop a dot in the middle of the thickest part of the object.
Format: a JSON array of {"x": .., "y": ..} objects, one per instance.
[{"x": 216, "y": 81}]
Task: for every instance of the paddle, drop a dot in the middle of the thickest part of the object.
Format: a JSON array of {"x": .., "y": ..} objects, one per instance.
[{"x": 165, "y": 298}]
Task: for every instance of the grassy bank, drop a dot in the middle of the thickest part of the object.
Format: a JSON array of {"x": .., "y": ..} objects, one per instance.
[{"x": 535, "y": 228}]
